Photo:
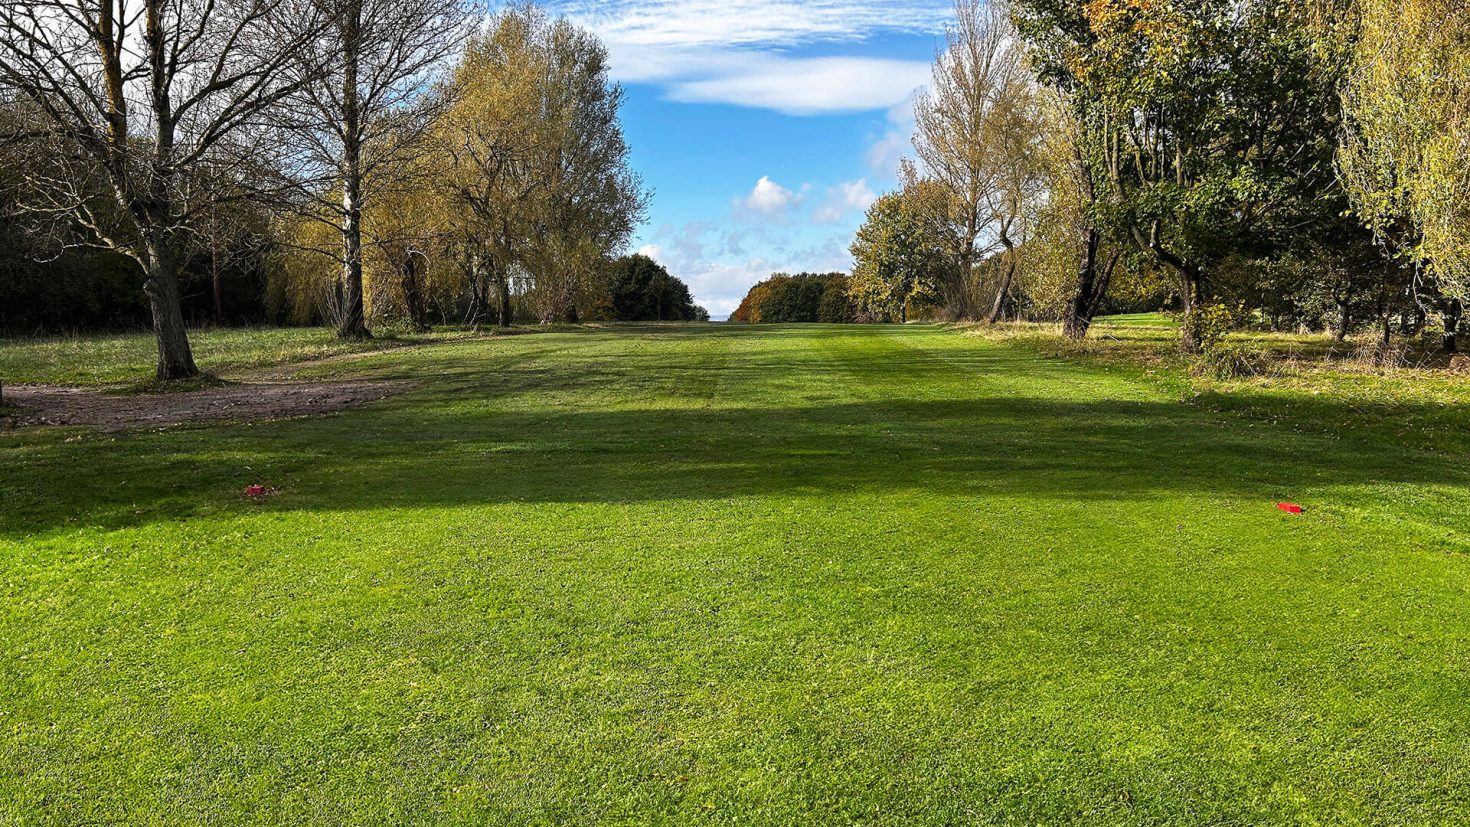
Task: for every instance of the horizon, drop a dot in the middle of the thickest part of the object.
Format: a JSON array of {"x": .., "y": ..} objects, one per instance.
[{"x": 763, "y": 129}]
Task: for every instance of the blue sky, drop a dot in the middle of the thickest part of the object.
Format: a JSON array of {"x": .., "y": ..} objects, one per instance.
[{"x": 764, "y": 128}]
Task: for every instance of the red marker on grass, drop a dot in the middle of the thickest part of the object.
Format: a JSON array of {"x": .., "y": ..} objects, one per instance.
[{"x": 1290, "y": 508}]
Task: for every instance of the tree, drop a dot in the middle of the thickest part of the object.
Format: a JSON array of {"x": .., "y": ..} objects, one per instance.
[
  {"x": 538, "y": 164},
  {"x": 799, "y": 298},
  {"x": 362, "y": 120},
  {"x": 1403, "y": 156},
  {"x": 142, "y": 101},
  {"x": 894, "y": 260},
  {"x": 643, "y": 291},
  {"x": 978, "y": 129},
  {"x": 1209, "y": 123}
]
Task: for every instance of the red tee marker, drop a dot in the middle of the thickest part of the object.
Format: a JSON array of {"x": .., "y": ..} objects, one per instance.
[
  {"x": 1290, "y": 508},
  {"x": 255, "y": 491}
]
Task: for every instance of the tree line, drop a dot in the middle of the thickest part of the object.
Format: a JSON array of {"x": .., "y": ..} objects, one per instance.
[
  {"x": 359, "y": 162},
  {"x": 1288, "y": 163}
]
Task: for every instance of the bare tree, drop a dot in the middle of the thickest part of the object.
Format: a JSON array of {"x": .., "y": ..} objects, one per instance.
[
  {"x": 978, "y": 132},
  {"x": 360, "y": 123},
  {"x": 136, "y": 98}
]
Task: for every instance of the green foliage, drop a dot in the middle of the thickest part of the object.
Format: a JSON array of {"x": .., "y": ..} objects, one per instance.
[
  {"x": 1205, "y": 326},
  {"x": 643, "y": 291},
  {"x": 804, "y": 297},
  {"x": 1405, "y": 156},
  {"x": 1223, "y": 360},
  {"x": 1207, "y": 126},
  {"x": 896, "y": 259}
]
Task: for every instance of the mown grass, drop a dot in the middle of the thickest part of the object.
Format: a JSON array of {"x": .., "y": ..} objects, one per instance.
[
  {"x": 738, "y": 575},
  {"x": 1311, "y": 382},
  {"x": 128, "y": 359}
]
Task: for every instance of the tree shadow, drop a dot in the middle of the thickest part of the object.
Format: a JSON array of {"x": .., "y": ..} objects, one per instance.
[{"x": 457, "y": 448}]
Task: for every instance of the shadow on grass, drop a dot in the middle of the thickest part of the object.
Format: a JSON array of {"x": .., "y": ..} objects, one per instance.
[{"x": 458, "y": 452}]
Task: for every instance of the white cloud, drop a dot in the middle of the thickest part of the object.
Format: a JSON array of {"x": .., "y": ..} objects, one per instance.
[
  {"x": 886, "y": 151},
  {"x": 721, "y": 280},
  {"x": 844, "y": 198},
  {"x": 805, "y": 86},
  {"x": 769, "y": 198},
  {"x": 653, "y": 23},
  {"x": 739, "y": 51}
]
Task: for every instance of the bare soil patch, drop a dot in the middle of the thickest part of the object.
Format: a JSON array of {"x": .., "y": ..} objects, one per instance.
[{"x": 49, "y": 405}]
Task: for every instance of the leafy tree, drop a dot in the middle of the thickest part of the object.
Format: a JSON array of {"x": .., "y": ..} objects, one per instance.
[
  {"x": 1404, "y": 156},
  {"x": 894, "y": 260},
  {"x": 359, "y": 125},
  {"x": 1207, "y": 125},
  {"x": 979, "y": 131},
  {"x": 803, "y": 297},
  {"x": 537, "y": 163},
  {"x": 643, "y": 291}
]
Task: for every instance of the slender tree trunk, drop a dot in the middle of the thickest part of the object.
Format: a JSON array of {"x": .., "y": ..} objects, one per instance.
[
  {"x": 219, "y": 292},
  {"x": 504, "y": 314},
  {"x": 1000, "y": 295},
  {"x": 1452, "y": 315},
  {"x": 353, "y": 321},
  {"x": 960, "y": 302},
  {"x": 413, "y": 294},
  {"x": 1005, "y": 283},
  {"x": 175, "y": 357},
  {"x": 1344, "y": 321}
]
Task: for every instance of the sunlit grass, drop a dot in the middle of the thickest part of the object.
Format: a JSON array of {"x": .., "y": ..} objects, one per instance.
[{"x": 743, "y": 575}]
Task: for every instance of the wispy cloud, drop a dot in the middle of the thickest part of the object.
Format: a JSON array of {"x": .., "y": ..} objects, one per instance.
[
  {"x": 720, "y": 281},
  {"x": 844, "y": 198},
  {"x": 888, "y": 149},
  {"x": 743, "y": 52}
]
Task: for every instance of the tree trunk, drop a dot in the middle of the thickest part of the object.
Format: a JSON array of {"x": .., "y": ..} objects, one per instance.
[
  {"x": 175, "y": 358},
  {"x": 413, "y": 294},
  {"x": 1000, "y": 295},
  {"x": 1344, "y": 321},
  {"x": 219, "y": 293},
  {"x": 154, "y": 213},
  {"x": 959, "y": 301},
  {"x": 1005, "y": 283},
  {"x": 352, "y": 323},
  {"x": 1092, "y": 288},
  {"x": 1452, "y": 315},
  {"x": 504, "y": 316}
]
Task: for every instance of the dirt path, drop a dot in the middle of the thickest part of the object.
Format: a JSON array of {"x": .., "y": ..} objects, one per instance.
[{"x": 47, "y": 405}]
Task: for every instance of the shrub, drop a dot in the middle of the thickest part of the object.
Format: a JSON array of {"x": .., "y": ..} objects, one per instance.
[
  {"x": 1231, "y": 360},
  {"x": 1206, "y": 326}
]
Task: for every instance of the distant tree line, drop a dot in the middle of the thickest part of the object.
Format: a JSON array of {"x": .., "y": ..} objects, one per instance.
[
  {"x": 1300, "y": 163},
  {"x": 357, "y": 162},
  {"x": 803, "y": 297}
]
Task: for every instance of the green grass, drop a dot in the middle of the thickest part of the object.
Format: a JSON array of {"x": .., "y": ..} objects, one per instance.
[
  {"x": 738, "y": 575},
  {"x": 1313, "y": 383},
  {"x": 129, "y": 358},
  {"x": 1151, "y": 320}
]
